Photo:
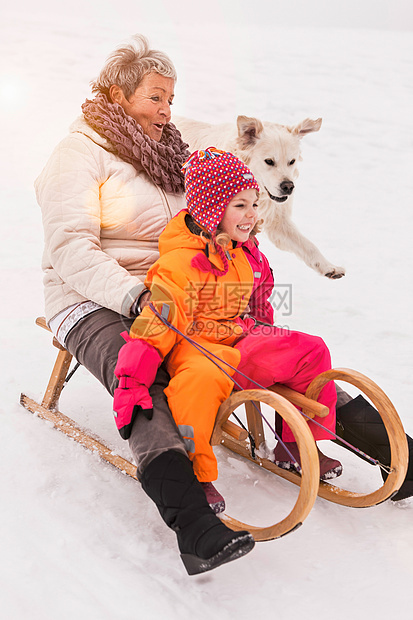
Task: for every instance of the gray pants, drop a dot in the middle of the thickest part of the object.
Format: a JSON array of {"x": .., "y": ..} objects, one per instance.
[{"x": 95, "y": 342}]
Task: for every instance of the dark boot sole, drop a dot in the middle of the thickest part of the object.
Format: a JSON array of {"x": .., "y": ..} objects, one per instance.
[{"x": 234, "y": 550}]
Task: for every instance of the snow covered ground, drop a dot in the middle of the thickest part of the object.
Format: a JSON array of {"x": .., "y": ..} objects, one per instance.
[{"x": 77, "y": 538}]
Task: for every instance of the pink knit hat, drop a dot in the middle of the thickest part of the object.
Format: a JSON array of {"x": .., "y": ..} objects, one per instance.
[{"x": 212, "y": 179}]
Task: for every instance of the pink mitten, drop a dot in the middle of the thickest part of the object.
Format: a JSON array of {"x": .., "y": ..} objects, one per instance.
[{"x": 137, "y": 365}]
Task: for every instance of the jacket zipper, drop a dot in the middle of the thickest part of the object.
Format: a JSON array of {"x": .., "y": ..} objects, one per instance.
[{"x": 169, "y": 210}]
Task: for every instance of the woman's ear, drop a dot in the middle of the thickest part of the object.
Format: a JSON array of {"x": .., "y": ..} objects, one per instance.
[{"x": 116, "y": 94}]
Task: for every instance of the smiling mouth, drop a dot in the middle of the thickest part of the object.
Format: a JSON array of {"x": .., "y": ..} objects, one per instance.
[
  {"x": 276, "y": 198},
  {"x": 159, "y": 126}
]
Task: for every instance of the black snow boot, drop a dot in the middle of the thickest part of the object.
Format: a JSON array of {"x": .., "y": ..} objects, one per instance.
[
  {"x": 203, "y": 540},
  {"x": 360, "y": 424}
]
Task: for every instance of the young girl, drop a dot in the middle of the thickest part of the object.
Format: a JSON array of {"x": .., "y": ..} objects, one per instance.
[{"x": 213, "y": 284}]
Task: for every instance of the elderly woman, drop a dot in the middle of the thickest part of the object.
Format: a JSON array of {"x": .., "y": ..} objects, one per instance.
[{"x": 107, "y": 192}]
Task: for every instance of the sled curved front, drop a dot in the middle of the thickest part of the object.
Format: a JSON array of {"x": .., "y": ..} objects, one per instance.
[
  {"x": 308, "y": 455},
  {"x": 396, "y": 434}
]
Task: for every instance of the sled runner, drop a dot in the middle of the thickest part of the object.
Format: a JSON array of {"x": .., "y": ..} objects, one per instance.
[
  {"x": 397, "y": 439},
  {"x": 246, "y": 440}
]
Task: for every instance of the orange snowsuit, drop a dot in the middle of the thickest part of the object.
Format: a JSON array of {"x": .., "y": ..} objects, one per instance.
[{"x": 205, "y": 308}]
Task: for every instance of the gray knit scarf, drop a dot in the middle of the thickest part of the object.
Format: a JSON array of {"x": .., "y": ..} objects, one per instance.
[{"x": 162, "y": 160}]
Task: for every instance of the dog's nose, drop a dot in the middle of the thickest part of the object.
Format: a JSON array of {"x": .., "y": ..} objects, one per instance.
[{"x": 287, "y": 187}]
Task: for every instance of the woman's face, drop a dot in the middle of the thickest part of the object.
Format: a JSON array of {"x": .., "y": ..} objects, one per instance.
[
  {"x": 240, "y": 215},
  {"x": 150, "y": 104}
]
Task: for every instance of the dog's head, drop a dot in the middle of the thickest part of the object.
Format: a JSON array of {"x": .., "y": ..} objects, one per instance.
[{"x": 272, "y": 152}]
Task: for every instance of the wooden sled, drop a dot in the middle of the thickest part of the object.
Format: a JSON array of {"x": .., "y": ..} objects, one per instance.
[{"x": 235, "y": 438}]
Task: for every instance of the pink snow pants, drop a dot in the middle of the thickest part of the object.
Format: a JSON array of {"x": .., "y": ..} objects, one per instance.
[{"x": 275, "y": 355}]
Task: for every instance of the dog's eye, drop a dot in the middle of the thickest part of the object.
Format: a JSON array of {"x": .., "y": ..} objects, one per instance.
[
  {"x": 269, "y": 162},
  {"x": 292, "y": 162}
]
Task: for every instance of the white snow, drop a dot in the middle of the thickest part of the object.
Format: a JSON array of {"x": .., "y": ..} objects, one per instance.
[{"x": 80, "y": 540}]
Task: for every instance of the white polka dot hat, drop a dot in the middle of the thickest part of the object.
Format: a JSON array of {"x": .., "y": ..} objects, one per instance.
[{"x": 212, "y": 179}]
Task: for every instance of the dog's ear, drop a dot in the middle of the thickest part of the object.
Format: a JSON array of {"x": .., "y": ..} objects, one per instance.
[
  {"x": 249, "y": 130},
  {"x": 306, "y": 126}
]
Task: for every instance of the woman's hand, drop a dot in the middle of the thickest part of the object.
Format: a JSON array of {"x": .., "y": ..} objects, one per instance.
[
  {"x": 144, "y": 300},
  {"x": 139, "y": 303}
]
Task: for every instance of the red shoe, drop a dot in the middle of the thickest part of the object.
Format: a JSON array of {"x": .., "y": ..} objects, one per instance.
[
  {"x": 214, "y": 498},
  {"x": 329, "y": 468},
  {"x": 282, "y": 458}
]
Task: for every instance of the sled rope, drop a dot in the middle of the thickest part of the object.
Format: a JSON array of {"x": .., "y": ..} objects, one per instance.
[{"x": 211, "y": 355}]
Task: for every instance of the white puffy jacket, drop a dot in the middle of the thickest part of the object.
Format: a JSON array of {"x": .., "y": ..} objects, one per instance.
[{"x": 102, "y": 220}]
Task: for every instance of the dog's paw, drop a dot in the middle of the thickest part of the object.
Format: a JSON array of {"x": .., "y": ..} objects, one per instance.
[{"x": 334, "y": 273}]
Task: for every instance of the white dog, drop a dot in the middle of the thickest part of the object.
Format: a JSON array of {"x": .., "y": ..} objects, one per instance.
[{"x": 272, "y": 152}]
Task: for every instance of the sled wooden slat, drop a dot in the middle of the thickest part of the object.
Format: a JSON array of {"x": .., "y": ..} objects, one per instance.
[
  {"x": 310, "y": 407},
  {"x": 70, "y": 428},
  {"x": 254, "y": 421},
  {"x": 234, "y": 430},
  {"x": 41, "y": 322},
  {"x": 57, "y": 379}
]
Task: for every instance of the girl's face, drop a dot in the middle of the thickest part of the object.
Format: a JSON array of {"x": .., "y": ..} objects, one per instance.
[
  {"x": 240, "y": 215},
  {"x": 150, "y": 104}
]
